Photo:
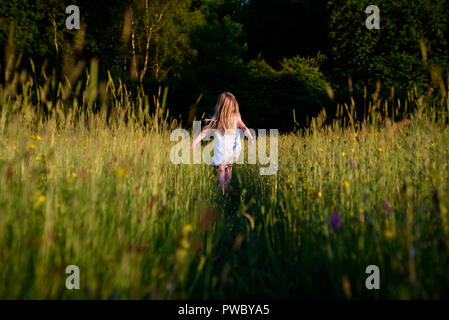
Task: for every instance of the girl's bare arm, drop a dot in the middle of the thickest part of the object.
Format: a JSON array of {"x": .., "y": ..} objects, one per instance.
[
  {"x": 242, "y": 126},
  {"x": 199, "y": 138}
]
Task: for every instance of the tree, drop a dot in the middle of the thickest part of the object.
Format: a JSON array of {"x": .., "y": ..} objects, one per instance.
[{"x": 391, "y": 54}]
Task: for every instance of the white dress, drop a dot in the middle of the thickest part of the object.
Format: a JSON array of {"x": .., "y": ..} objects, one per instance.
[{"x": 227, "y": 146}]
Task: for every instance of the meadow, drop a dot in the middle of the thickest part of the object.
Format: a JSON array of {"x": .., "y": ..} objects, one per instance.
[{"x": 91, "y": 184}]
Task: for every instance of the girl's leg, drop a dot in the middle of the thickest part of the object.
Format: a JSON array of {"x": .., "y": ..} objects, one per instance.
[
  {"x": 221, "y": 177},
  {"x": 228, "y": 176}
]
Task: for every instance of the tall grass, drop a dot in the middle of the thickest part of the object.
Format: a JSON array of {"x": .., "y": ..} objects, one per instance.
[{"x": 86, "y": 179}]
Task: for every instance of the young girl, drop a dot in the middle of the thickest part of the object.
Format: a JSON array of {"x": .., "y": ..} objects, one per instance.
[{"x": 227, "y": 147}]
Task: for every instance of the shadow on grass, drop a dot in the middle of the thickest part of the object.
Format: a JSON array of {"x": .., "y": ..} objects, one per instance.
[{"x": 249, "y": 260}]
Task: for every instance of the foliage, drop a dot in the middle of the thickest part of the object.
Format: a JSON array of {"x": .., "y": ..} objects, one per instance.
[
  {"x": 269, "y": 96},
  {"x": 97, "y": 189},
  {"x": 393, "y": 53}
]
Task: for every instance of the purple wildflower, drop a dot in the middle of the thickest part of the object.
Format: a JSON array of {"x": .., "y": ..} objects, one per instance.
[
  {"x": 352, "y": 163},
  {"x": 336, "y": 221},
  {"x": 388, "y": 208},
  {"x": 275, "y": 169}
]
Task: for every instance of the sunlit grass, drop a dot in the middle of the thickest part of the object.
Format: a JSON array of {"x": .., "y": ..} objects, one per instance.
[{"x": 97, "y": 189}]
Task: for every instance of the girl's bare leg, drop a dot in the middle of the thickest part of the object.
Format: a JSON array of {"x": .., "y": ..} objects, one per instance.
[
  {"x": 221, "y": 177},
  {"x": 228, "y": 176}
]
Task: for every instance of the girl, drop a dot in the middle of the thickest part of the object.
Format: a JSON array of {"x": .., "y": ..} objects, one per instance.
[{"x": 227, "y": 147}]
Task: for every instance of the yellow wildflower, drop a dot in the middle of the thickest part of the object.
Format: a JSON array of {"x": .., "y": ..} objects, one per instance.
[
  {"x": 121, "y": 172},
  {"x": 40, "y": 199}
]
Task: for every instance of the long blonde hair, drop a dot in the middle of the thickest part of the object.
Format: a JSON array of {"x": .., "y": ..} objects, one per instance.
[{"x": 226, "y": 108}]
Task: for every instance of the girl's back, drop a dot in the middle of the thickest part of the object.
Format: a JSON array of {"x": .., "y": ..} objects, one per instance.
[
  {"x": 227, "y": 145},
  {"x": 227, "y": 140}
]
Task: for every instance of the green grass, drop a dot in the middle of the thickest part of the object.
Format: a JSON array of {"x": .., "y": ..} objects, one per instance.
[{"x": 93, "y": 185}]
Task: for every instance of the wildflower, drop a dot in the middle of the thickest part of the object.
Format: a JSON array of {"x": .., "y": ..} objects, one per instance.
[
  {"x": 365, "y": 180},
  {"x": 352, "y": 163},
  {"x": 388, "y": 234},
  {"x": 380, "y": 149},
  {"x": 419, "y": 154},
  {"x": 91, "y": 170},
  {"x": 319, "y": 194},
  {"x": 346, "y": 183},
  {"x": 343, "y": 154},
  {"x": 355, "y": 134},
  {"x": 188, "y": 228},
  {"x": 40, "y": 199},
  {"x": 121, "y": 172},
  {"x": 335, "y": 221},
  {"x": 38, "y": 158},
  {"x": 39, "y": 138},
  {"x": 275, "y": 169},
  {"x": 74, "y": 174},
  {"x": 32, "y": 146}
]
